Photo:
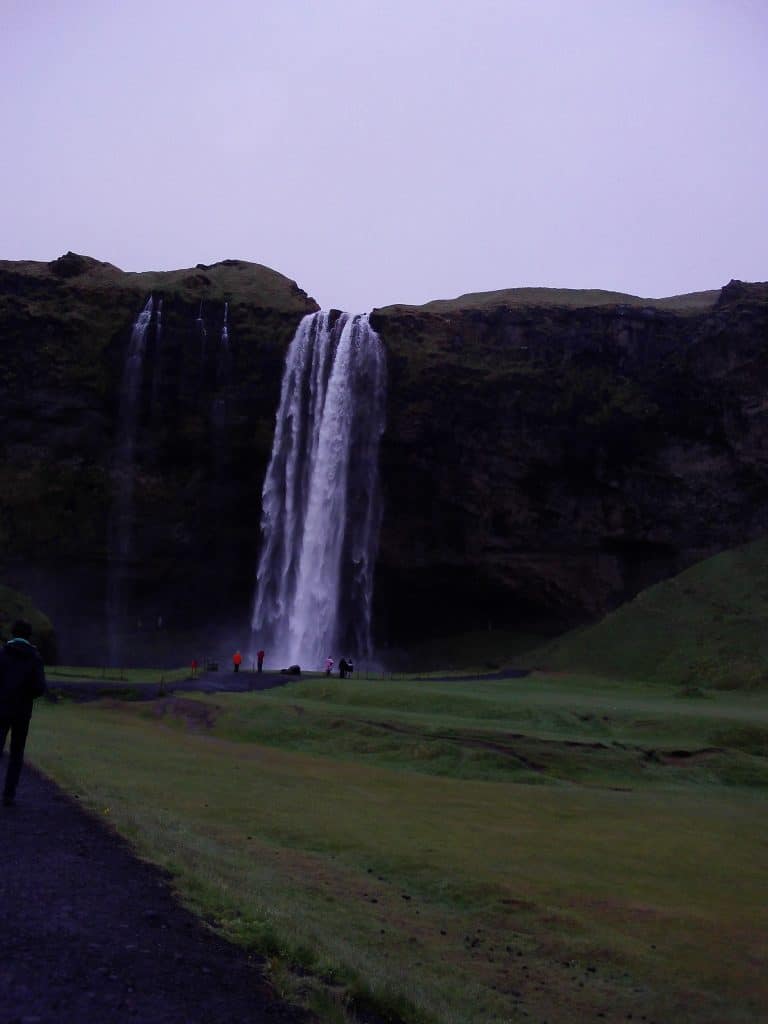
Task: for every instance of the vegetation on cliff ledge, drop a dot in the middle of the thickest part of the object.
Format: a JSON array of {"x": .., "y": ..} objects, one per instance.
[{"x": 572, "y": 298}]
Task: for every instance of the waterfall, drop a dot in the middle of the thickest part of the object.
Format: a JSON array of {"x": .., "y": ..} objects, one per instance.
[
  {"x": 321, "y": 507},
  {"x": 127, "y": 429},
  {"x": 157, "y": 375},
  {"x": 201, "y": 329},
  {"x": 203, "y": 335},
  {"x": 224, "y": 356},
  {"x": 222, "y": 492},
  {"x": 122, "y": 513},
  {"x": 222, "y": 381}
]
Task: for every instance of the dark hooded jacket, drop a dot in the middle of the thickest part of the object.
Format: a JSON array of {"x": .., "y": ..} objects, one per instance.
[{"x": 22, "y": 678}]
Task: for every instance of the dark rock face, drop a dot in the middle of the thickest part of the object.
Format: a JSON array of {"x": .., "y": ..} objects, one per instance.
[
  {"x": 540, "y": 463},
  {"x": 197, "y": 494}
]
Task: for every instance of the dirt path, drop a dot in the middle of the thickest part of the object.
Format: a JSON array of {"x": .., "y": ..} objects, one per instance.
[{"x": 90, "y": 933}]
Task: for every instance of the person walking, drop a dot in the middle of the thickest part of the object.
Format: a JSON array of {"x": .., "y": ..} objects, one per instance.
[
  {"x": 328, "y": 666},
  {"x": 237, "y": 660},
  {"x": 22, "y": 680},
  {"x": 259, "y": 661}
]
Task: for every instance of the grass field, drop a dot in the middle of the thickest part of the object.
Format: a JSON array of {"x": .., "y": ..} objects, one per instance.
[{"x": 553, "y": 848}]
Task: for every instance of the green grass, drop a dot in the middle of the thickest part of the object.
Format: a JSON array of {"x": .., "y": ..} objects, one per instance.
[
  {"x": 456, "y": 852},
  {"x": 707, "y": 627},
  {"x": 535, "y": 730}
]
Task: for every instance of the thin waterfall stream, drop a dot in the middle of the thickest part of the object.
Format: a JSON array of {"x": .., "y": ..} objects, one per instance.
[
  {"x": 121, "y": 525},
  {"x": 321, "y": 502}
]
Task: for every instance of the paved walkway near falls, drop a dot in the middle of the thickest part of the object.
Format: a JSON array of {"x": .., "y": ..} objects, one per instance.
[
  {"x": 240, "y": 682},
  {"x": 89, "y": 933}
]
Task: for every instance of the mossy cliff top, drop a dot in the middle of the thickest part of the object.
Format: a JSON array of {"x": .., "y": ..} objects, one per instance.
[
  {"x": 229, "y": 280},
  {"x": 569, "y": 298}
]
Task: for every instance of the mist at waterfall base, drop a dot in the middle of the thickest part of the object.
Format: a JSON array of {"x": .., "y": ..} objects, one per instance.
[{"x": 321, "y": 502}]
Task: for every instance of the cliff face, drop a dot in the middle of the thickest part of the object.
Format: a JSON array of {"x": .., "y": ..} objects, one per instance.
[
  {"x": 546, "y": 454},
  {"x": 544, "y": 463},
  {"x": 203, "y": 442}
]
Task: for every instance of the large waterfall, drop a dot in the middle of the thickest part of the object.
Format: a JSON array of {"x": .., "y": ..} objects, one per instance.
[{"x": 321, "y": 507}]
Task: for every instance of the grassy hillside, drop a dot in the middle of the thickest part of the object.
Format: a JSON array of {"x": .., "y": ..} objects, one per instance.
[
  {"x": 576, "y": 298},
  {"x": 704, "y": 628},
  {"x": 251, "y": 283}
]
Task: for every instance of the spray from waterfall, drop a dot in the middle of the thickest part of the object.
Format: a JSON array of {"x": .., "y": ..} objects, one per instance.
[
  {"x": 121, "y": 526},
  {"x": 321, "y": 506}
]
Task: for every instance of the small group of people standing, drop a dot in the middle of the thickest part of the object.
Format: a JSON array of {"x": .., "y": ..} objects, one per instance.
[
  {"x": 237, "y": 661},
  {"x": 346, "y": 668},
  {"x": 22, "y": 681}
]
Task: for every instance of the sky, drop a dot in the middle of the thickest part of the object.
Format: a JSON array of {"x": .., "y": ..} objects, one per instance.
[{"x": 381, "y": 151}]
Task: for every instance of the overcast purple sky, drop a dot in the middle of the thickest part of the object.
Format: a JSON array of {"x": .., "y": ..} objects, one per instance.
[{"x": 398, "y": 150}]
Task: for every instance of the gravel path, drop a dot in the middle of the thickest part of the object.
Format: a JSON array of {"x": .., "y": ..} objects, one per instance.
[
  {"x": 228, "y": 682},
  {"x": 88, "y": 933}
]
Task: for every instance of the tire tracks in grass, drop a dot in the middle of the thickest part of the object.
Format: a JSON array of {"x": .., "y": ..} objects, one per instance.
[{"x": 668, "y": 758}]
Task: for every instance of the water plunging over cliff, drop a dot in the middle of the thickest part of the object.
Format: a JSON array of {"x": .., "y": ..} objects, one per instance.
[
  {"x": 321, "y": 507},
  {"x": 121, "y": 518},
  {"x": 225, "y": 327},
  {"x": 222, "y": 381},
  {"x": 157, "y": 375}
]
